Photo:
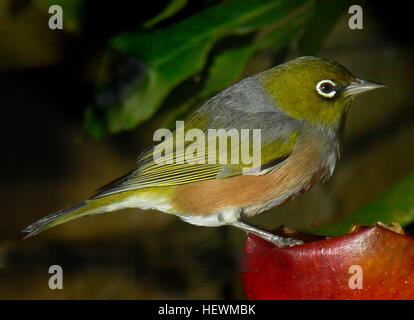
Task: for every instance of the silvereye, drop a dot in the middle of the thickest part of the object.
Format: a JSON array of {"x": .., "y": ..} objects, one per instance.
[{"x": 299, "y": 106}]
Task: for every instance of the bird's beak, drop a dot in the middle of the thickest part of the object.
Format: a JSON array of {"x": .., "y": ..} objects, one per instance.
[{"x": 358, "y": 86}]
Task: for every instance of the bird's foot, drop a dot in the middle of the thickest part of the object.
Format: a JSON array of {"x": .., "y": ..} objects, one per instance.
[{"x": 279, "y": 241}]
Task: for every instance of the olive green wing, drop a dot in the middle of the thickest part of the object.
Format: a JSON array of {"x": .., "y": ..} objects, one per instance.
[
  {"x": 175, "y": 169},
  {"x": 150, "y": 173}
]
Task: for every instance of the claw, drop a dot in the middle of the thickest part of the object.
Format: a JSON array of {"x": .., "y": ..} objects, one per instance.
[{"x": 279, "y": 241}]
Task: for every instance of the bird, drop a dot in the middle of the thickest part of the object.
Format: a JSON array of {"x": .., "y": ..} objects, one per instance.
[{"x": 299, "y": 108}]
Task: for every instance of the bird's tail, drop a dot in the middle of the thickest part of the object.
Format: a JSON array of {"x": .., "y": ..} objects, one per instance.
[{"x": 81, "y": 209}]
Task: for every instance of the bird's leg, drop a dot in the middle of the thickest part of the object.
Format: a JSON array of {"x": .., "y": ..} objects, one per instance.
[{"x": 280, "y": 242}]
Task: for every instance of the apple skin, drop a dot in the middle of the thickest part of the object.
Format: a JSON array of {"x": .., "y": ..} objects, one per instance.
[{"x": 322, "y": 267}]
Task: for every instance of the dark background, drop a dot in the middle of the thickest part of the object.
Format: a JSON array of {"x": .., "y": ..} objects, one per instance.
[{"x": 49, "y": 163}]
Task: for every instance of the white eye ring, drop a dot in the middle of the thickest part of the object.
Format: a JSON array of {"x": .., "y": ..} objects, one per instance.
[{"x": 322, "y": 91}]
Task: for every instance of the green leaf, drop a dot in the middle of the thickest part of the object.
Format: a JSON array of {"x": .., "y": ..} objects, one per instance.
[
  {"x": 320, "y": 26},
  {"x": 395, "y": 205},
  {"x": 172, "y": 8},
  {"x": 72, "y": 12},
  {"x": 174, "y": 53}
]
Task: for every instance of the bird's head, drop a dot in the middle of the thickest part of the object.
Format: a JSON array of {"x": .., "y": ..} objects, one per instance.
[{"x": 314, "y": 89}]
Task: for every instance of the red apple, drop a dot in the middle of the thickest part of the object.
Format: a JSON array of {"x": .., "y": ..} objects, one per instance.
[{"x": 367, "y": 263}]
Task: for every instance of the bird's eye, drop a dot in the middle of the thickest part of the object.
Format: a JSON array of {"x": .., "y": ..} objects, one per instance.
[{"x": 326, "y": 88}]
